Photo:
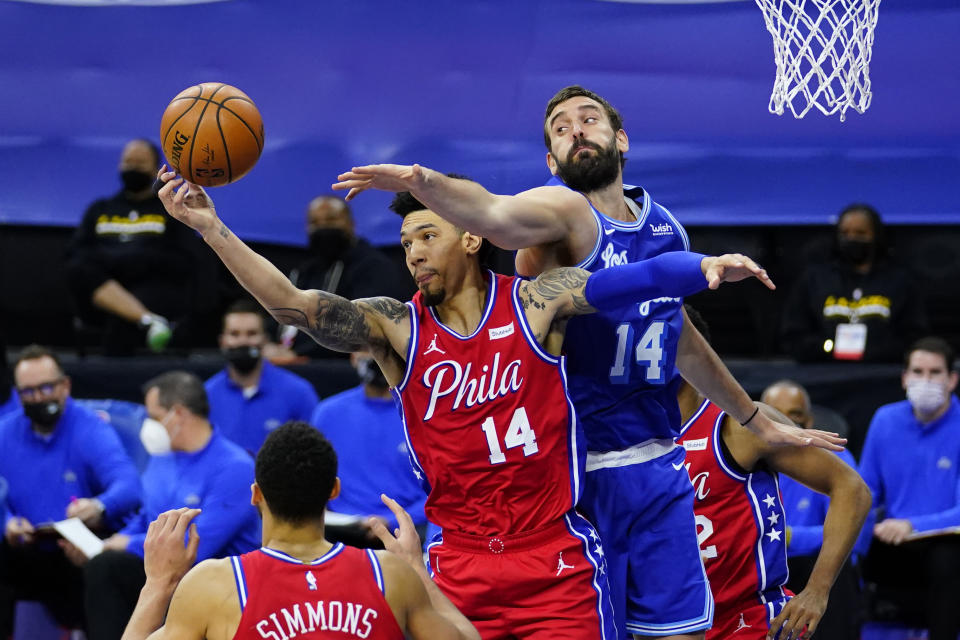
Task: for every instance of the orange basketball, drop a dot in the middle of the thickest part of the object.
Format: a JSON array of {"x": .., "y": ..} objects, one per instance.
[{"x": 211, "y": 134}]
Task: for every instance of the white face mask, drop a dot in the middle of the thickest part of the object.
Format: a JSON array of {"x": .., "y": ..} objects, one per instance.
[
  {"x": 926, "y": 396},
  {"x": 155, "y": 438}
]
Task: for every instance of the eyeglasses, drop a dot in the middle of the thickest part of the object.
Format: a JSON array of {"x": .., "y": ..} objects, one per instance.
[{"x": 43, "y": 389}]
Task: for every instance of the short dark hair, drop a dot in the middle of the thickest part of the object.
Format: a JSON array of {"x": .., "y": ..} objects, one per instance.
[
  {"x": 245, "y": 305},
  {"x": 153, "y": 149},
  {"x": 404, "y": 203},
  {"x": 575, "y": 91},
  {"x": 697, "y": 321},
  {"x": 879, "y": 233},
  {"x": 180, "y": 387},
  {"x": 933, "y": 344},
  {"x": 35, "y": 352},
  {"x": 296, "y": 469}
]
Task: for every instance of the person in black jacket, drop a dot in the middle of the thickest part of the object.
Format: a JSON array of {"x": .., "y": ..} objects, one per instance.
[
  {"x": 129, "y": 259},
  {"x": 859, "y": 305},
  {"x": 342, "y": 263}
]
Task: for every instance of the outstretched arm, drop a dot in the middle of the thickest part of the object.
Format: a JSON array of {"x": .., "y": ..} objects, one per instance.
[
  {"x": 331, "y": 320},
  {"x": 699, "y": 364},
  {"x": 537, "y": 216}
]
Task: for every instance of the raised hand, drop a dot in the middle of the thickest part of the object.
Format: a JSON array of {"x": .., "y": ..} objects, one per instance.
[
  {"x": 733, "y": 267},
  {"x": 779, "y": 433},
  {"x": 187, "y": 202},
  {"x": 404, "y": 542},
  {"x": 385, "y": 177},
  {"x": 165, "y": 558}
]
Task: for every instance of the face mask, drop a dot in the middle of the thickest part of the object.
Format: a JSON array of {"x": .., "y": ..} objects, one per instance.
[
  {"x": 926, "y": 396},
  {"x": 855, "y": 251},
  {"x": 243, "y": 359},
  {"x": 155, "y": 438},
  {"x": 134, "y": 180},
  {"x": 44, "y": 414},
  {"x": 329, "y": 242},
  {"x": 370, "y": 373}
]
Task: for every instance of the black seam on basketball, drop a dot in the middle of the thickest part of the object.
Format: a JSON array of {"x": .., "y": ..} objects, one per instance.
[
  {"x": 163, "y": 143},
  {"x": 226, "y": 150},
  {"x": 256, "y": 138},
  {"x": 196, "y": 129}
]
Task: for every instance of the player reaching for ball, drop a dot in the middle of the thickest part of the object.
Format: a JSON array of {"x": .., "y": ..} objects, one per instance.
[{"x": 474, "y": 362}]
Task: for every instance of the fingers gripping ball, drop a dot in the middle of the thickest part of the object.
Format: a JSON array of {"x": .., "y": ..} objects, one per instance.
[{"x": 211, "y": 134}]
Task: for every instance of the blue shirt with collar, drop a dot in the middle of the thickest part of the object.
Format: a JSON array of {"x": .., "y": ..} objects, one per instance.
[
  {"x": 372, "y": 456},
  {"x": 216, "y": 479},
  {"x": 913, "y": 469},
  {"x": 81, "y": 458},
  {"x": 247, "y": 420},
  {"x": 806, "y": 511}
]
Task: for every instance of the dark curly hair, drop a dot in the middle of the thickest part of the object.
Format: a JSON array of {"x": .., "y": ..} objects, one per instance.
[{"x": 296, "y": 469}]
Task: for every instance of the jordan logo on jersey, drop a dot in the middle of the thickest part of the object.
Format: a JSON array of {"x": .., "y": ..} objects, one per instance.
[
  {"x": 743, "y": 624},
  {"x": 311, "y": 581},
  {"x": 447, "y": 376},
  {"x": 433, "y": 347},
  {"x": 563, "y": 565}
]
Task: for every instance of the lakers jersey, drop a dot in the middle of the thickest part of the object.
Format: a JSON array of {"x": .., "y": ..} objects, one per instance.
[
  {"x": 623, "y": 377},
  {"x": 339, "y": 595},
  {"x": 741, "y": 525},
  {"x": 491, "y": 431}
]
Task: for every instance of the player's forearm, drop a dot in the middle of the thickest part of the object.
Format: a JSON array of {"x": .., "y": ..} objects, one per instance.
[
  {"x": 255, "y": 273},
  {"x": 150, "y": 610},
  {"x": 445, "y": 608},
  {"x": 849, "y": 505},
  {"x": 699, "y": 364}
]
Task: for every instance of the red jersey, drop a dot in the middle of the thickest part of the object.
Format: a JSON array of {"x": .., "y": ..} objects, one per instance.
[
  {"x": 741, "y": 526},
  {"x": 490, "y": 429},
  {"x": 339, "y": 595}
]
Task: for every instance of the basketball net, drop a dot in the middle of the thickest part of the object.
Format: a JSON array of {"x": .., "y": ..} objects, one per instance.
[{"x": 822, "y": 50}]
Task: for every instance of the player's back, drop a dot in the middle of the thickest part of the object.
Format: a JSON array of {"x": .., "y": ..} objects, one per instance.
[
  {"x": 740, "y": 521},
  {"x": 339, "y": 595},
  {"x": 621, "y": 364},
  {"x": 489, "y": 426}
]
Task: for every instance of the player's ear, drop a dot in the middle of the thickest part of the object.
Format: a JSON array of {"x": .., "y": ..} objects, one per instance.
[
  {"x": 551, "y": 163},
  {"x": 256, "y": 496},
  {"x": 336, "y": 488},
  {"x": 623, "y": 143},
  {"x": 471, "y": 243}
]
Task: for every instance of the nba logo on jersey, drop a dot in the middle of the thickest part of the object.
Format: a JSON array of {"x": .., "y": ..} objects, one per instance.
[{"x": 311, "y": 581}]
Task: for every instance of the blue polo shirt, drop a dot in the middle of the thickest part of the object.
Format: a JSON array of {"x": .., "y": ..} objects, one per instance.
[
  {"x": 280, "y": 396},
  {"x": 81, "y": 458},
  {"x": 806, "y": 511},
  {"x": 215, "y": 479},
  {"x": 913, "y": 469},
  {"x": 372, "y": 456}
]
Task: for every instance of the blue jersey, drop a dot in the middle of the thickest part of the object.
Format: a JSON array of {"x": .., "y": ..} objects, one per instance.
[{"x": 621, "y": 365}]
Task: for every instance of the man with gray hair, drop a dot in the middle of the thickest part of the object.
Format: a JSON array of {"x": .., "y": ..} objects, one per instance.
[{"x": 191, "y": 465}]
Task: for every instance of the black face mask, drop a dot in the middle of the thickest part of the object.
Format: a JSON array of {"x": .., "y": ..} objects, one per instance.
[
  {"x": 43, "y": 414},
  {"x": 243, "y": 359},
  {"x": 855, "y": 251},
  {"x": 370, "y": 373},
  {"x": 329, "y": 242},
  {"x": 135, "y": 181}
]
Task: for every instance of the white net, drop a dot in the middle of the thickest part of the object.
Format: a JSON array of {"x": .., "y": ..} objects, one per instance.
[{"x": 822, "y": 50}]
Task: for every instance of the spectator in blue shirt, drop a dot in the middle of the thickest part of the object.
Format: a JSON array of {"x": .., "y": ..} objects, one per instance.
[
  {"x": 191, "y": 466},
  {"x": 250, "y": 397},
  {"x": 806, "y": 511},
  {"x": 911, "y": 461},
  {"x": 364, "y": 427},
  {"x": 59, "y": 461}
]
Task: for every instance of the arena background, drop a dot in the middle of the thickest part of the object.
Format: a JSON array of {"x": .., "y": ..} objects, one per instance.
[{"x": 461, "y": 86}]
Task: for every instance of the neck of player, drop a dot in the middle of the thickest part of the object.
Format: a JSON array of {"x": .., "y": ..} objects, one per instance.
[
  {"x": 463, "y": 308},
  {"x": 610, "y": 201},
  {"x": 305, "y": 542}
]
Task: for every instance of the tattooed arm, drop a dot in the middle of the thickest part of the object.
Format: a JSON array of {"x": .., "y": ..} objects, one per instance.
[{"x": 377, "y": 324}]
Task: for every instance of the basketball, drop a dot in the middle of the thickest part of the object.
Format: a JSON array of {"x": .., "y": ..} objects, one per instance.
[{"x": 211, "y": 134}]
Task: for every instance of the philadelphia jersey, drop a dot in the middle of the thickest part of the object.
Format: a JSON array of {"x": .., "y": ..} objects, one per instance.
[
  {"x": 621, "y": 364},
  {"x": 491, "y": 431},
  {"x": 339, "y": 595},
  {"x": 741, "y": 525}
]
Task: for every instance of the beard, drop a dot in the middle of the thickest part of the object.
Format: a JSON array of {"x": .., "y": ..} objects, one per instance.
[
  {"x": 593, "y": 172},
  {"x": 432, "y": 299}
]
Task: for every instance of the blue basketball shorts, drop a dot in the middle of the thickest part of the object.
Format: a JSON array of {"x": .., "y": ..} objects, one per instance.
[{"x": 641, "y": 503}]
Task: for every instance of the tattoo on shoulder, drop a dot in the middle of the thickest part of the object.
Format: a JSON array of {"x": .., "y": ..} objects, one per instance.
[{"x": 554, "y": 284}]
